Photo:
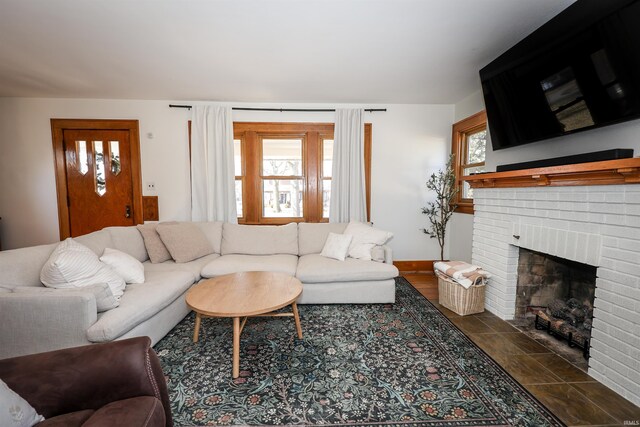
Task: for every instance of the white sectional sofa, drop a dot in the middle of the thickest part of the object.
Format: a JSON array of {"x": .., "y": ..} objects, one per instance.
[{"x": 35, "y": 319}]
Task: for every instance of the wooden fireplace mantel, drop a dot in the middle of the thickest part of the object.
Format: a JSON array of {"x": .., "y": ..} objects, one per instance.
[{"x": 622, "y": 171}]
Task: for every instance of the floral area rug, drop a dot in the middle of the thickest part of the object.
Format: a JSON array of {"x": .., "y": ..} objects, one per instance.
[{"x": 358, "y": 364}]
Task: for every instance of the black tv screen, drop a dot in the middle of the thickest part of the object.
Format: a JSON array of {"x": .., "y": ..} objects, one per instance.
[{"x": 579, "y": 71}]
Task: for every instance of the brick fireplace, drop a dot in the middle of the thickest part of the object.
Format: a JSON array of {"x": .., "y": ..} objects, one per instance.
[{"x": 596, "y": 225}]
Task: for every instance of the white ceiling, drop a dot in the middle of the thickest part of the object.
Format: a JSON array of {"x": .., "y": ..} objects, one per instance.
[{"x": 351, "y": 51}]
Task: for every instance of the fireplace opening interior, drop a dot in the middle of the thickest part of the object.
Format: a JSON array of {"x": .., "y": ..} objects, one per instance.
[{"x": 561, "y": 292}]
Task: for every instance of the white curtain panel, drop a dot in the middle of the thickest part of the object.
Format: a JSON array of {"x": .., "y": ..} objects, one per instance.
[
  {"x": 212, "y": 172},
  {"x": 348, "y": 197}
]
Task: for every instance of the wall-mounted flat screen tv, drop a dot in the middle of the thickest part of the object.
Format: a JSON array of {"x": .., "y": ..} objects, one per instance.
[{"x": 579, "y": 71}]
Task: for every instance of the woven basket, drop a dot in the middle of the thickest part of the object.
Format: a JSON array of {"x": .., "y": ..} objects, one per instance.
[{"x": 458, "y": 299}]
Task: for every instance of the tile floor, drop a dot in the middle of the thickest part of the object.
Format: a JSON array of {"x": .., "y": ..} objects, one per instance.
[{"x": 571, "y": 394}]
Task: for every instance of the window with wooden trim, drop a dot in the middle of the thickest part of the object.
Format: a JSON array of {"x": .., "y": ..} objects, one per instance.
[
  {"x": 469, "y": 145},
  {"x": 283, "y": 171}
]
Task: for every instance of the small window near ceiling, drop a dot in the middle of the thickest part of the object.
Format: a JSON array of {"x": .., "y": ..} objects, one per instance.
[{"x": 469, "y": 145}]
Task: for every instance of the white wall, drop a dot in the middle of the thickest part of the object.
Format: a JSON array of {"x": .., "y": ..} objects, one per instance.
[
  {"x": 461, "y": 226},
  {"x": 469, "y": 106},
  {"x": 409, "y": 143},
  {"x": 623, "y": 135},
  {"x": 407, "y": 148},
  {"x": 460, "y": 231}
]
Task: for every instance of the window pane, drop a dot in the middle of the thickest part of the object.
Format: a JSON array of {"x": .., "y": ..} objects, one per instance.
[
  {"x": 476, "y": 146},
  {"x": 327, "y": 157},
  {"x": 101, "y": 183},
  {"x": 467, "y": 191},
  {"x": 239, "y": 198},
  {"x": 326, "y": 197},
  {"x": 471, "y": 171},
  {"x": 83, "y": 160},
  {"x": 114, "y": 148},
  {"x": 237, "y": 156},
  {"x": 282, "y": 157},
  {"x": 282, "y": 198}
]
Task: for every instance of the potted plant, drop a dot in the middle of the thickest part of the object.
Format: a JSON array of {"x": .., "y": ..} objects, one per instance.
[{"x": 439, "y": 212}]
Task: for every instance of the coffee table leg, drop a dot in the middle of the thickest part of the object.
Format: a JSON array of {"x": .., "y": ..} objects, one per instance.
[
  {"x": 236, "y": 347},
  {"x": 197, "y": 328},
  {"x": 296, "y": 316}
]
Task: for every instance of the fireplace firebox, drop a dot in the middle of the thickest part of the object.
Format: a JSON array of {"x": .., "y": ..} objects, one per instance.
[{"x": 556, "y": 295}]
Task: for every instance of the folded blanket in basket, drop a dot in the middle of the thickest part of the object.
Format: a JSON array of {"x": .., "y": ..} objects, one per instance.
[{"x": 462, "y": 272}]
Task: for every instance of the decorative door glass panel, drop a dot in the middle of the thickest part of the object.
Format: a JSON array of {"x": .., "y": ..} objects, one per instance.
[
  {"x": 239, "y": 198},
  {"x": 114, "y": 148},
  {"x": 282, "y": 198},
  {"x": 282, "y": 157},
  {"x": 83, "y": 159},
  {"x": 100, "y": 176}
]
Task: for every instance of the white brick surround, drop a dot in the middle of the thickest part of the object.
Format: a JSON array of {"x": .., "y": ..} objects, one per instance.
[{"x": 596, "y": 225}]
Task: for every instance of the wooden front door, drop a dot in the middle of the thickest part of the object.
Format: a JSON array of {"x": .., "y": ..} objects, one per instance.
[
  {"x": 98, "y": 176},
  {"x": 99, "y": 187}
]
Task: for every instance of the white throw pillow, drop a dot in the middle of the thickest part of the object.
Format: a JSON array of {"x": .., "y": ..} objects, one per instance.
[
  {"x": 72, "y": 265},
  {"x": 337, "y": 246},
  {"x": 377, "y": 254},
  {"x": 365, "y": 238},
  {"x": 361, "y": 251},
  {"x": 15, "y": 411},
  {"x": 124, "y": 265}
]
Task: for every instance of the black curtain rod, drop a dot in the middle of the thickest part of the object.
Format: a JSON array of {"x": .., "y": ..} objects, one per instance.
[{"x": 312, "y": 110}]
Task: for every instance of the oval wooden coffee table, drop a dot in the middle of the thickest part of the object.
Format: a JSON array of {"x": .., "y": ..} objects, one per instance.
[{"x": 244, "y": 295}]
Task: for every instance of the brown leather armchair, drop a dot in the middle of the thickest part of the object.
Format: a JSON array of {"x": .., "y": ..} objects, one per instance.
[{"x": 119, "y": 383}]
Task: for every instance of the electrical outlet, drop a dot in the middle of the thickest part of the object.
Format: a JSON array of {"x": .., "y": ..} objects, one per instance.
[{"x": 151, "y": 186}]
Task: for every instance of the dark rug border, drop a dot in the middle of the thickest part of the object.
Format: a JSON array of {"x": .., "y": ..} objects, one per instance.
[{"x": 495, "y": 364}]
